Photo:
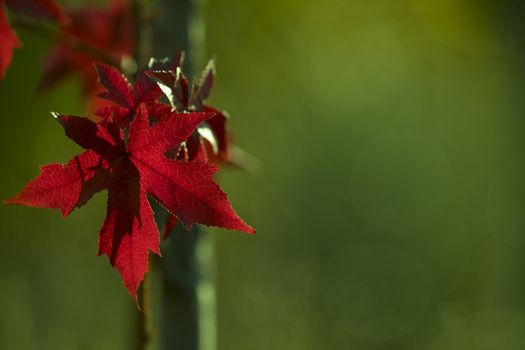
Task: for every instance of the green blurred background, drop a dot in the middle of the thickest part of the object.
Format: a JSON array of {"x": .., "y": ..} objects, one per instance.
[{"x": 390, "y": 202}]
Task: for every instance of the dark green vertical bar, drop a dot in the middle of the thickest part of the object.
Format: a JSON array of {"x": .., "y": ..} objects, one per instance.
[{"x": 187, "y": 306}]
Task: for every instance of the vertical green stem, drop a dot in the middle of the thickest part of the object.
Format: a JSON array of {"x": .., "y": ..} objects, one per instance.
[
  {"x": 143, "y": 32},
  {"x": 188, "y": 296},
  {"x": 143, "y": 49},
  {"x": 187, "y": 306}
]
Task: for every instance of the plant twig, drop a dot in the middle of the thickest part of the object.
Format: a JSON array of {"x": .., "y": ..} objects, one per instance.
[{"x": 144, "y": 314}]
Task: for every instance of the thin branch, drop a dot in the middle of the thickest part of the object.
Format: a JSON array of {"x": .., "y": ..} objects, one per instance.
[{"x": 144, "y": 314}]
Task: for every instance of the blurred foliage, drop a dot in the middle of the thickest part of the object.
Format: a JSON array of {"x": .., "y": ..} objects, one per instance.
[{"x": 389, "y": 207}]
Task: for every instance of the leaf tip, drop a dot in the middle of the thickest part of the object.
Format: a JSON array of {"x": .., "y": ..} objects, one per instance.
[
  {"x": 62, "y": 119},
  {"x": 14, "y": 200},
  {"x": 98, "y": 66},
  {"x": 248, "y": 229},
  {"x": 135, "y": 298},
  {"x": 9, "y": 201},
  {"x": 211, "y": 66}
]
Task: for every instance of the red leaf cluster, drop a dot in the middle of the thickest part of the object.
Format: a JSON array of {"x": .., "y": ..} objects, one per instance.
[
  {"x": 172, "y": 81},
  {"x": 211, "y": 142},
  {"x": 139, "y": 149},
  {"x": 108, "y": 30},
  {"x": 35, "y": 9}
]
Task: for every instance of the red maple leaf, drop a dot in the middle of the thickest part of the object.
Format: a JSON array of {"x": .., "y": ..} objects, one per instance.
[
  {"x": 36, "y": 9},
  {"x": 109, "y": 31},
  {"x": 214, "y": 136},
  {"x": 126, "y": 97},
  {"x": 130, "y": 170},
  {"x": 211, "y": 142}
]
